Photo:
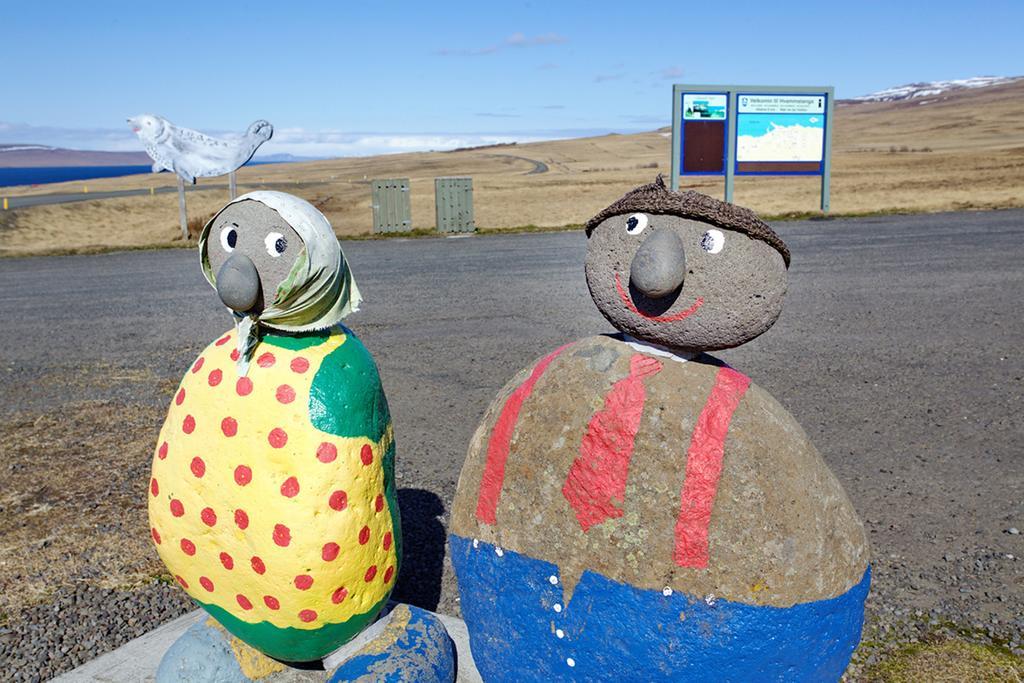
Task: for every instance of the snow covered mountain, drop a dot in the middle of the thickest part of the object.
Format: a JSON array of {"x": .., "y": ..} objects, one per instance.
[{"x": 913, "y": 91}]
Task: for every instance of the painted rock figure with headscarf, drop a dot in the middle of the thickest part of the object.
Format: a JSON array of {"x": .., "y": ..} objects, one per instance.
[{"x": 272, "y": 500}]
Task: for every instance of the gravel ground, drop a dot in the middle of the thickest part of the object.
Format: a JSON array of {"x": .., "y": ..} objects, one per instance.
[{"x": 898, "y": 351}]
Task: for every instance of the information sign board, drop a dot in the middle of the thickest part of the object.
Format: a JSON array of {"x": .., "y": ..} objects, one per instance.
[{"x": 750, "y": 130}]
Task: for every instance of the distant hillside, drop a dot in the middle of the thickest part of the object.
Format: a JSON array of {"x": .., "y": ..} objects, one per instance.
[
  {"x": 32, "y": 156},
  {"x": 958, "y": 149},
  {"x": 932, "y": 90}
]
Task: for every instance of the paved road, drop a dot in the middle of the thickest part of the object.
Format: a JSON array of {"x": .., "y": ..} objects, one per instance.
[
  {"x": 24, "y": 201},
  {"x": 538, "y": 166},
  {"x": 899, "y": 351}
]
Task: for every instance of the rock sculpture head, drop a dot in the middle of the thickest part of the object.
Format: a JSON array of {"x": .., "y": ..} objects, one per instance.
[
  {"x": 275, "y": 263},
  {"x": 684, "y": 270}
]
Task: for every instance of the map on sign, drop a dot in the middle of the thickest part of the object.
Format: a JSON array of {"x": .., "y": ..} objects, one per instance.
[{"x": 780, "y": 128}]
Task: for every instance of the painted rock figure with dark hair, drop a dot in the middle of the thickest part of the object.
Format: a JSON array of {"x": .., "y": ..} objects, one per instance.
[{"x": 632, "y": 508}]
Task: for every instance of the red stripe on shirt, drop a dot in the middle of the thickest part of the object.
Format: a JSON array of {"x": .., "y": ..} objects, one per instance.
[
  {"x": 501, "y": 440},
  {"x": 704, "y": 467},
  {"x": 597, "y": 477}
]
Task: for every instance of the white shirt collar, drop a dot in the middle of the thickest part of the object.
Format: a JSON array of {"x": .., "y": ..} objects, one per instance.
[{"x": 657, "y": 349}]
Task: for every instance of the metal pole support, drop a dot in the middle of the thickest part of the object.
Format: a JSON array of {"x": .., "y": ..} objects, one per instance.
[{"x": 182, "y": 214}]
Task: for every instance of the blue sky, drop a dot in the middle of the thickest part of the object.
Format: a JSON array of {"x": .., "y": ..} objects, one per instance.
[{"x": 340, "y": 78}]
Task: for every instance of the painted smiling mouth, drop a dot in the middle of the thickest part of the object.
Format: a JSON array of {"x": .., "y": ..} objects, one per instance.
[{"x": 656, "y": 318}]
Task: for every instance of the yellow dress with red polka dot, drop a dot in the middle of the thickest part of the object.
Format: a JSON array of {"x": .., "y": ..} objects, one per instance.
[{"x": 272, "y": 498}]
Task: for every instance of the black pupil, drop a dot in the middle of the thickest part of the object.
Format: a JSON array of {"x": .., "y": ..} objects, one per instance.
[
  {"x": 280, "y": 245},
  {"x": 232, "y": 238},
  {"x": 632, "y": 223}
]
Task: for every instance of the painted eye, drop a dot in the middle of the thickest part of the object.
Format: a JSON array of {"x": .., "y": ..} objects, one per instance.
[
  {"x": 228, "y": 238},
  {"x": 712, "y": 241},
  {"x": 636, "y": 223},
  {"x": 276, "y": 244}
]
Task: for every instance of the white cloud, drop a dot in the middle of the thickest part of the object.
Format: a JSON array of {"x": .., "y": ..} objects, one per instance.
[
  {"x": 671, "y": 72},
  {"x": 516, "y": 40},
  {"x": 299, "y": 141},
  {"x": 296, "y": 141}
]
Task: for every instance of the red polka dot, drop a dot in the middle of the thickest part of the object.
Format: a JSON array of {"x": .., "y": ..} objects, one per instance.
[
  {"x": 388, "y": 574},
  {"x": 208, "y": 516},
  {"x": 326, "y": 452},
  {"x": 177, "y": 509},
  {"x": 188, "y": 547},
  {"x": 339, "y": 500},
  {"x": 303, "y": 582},
  {"x": 271, "y": 602},
  {"x": 266, "y": 360},
  {"x": 234, "y": 354},
  {"x": 243, "y": 602},
  {"x": 378, "y": 504},
  {"x": 366, "y": 454},
  {"x": 243, "y": 387},
  {"x": 162, "y": 452},
  {"x": 156, "y": 535},
  {"x": 154, "y": 487},
  {"x": 183, "y": 582},
  {"x": 299, "y": 365},
  {"x": 285, "y": 394},
  {"x": 307, "y": 615},
  {"x": 277, "y": 437},
  {"x": 206, "y": 583},
  {"x": 257, "y": 564},
  {"x": 188, "y": 425},
  {"x": 215, "y": 377},
  {"x": 180, "y": 398},
  {"x": 197, "y": 466},
  {"x": 243, "y": 475},
  {"x": 227, "y": 561},
  {"x": 364, "y": 535},
  {"x": 198, "y": 365},
  {"x": 387, "y": 541},
  {"x": 330, "y": 552},
  {"x": 282, "y": 535},
  {"x": 229, "y": 426},
  {"x": 290, "y": 487},
  {"x": 224, "y": 340},
  {"x": 370, "y": 573},
  {"x": 339, "y": 595},
  {"x": 241, "y": 519}
]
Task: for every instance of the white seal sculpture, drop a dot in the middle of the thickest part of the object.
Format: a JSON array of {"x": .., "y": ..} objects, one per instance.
[{"x": 191, "y": 154}]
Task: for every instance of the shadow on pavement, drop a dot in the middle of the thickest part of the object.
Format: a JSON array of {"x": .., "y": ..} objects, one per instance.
[{"x": 423, "y": 548}]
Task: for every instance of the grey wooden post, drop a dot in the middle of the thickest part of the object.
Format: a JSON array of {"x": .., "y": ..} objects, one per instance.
[
  {"x": 826, "y": 175},
  {"x": 232, "y": 186},
  {"x": 182, "y": 214},
  {"x": 730, "y": 145}
]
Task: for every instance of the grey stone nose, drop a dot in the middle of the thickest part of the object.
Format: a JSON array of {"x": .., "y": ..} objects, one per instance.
[
  {"x": 659, "y": 265},
  {"x": 238, "y": 283}
]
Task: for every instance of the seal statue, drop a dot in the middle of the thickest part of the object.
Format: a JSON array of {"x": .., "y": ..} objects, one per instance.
[{"x": 192, "y": 154}]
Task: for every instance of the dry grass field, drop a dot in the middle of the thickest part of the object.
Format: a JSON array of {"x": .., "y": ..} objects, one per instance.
[{"x": 963, "y": 151}]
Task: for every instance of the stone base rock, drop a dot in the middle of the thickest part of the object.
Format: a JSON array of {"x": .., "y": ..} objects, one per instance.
[{"x": 407, "y": 644}]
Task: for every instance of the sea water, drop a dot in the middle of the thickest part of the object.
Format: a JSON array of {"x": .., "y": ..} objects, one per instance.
[{"x": 39, "y": 175}]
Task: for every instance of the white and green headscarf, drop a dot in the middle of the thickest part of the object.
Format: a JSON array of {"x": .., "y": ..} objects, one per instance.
[{"x": 317, "y": 293}]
